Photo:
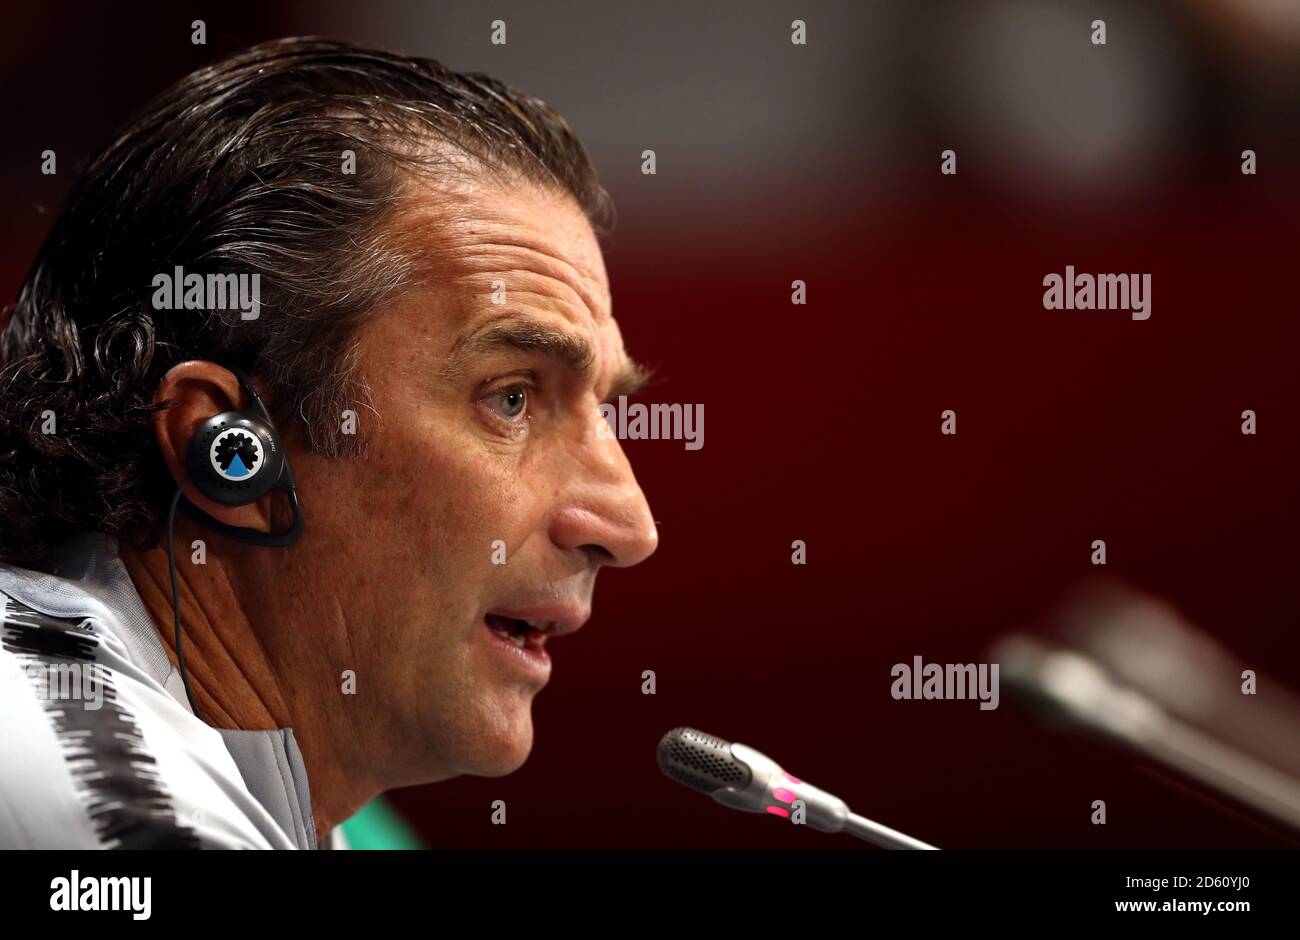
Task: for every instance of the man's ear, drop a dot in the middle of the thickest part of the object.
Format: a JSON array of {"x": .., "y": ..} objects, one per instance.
[{"x": 198, "y": 390}]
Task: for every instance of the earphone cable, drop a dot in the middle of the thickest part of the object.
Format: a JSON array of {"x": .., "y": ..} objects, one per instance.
[{"x": 176, "y": 605}]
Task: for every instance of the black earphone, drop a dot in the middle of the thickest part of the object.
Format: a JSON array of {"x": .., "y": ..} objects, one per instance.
[{"x": 234, "y": 458}]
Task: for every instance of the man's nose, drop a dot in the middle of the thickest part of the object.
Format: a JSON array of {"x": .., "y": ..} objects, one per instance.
[{"x": 604, "y": 512}]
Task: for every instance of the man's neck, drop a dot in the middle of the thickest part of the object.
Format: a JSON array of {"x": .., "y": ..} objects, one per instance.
[{"x": 234, "y": 676}]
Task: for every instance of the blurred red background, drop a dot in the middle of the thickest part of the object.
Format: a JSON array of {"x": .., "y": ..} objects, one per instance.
[{"x": 821, "y": 163}]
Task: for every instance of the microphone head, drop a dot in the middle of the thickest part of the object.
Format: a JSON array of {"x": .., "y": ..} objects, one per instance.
[
  {"x": 701, "y": 761},
  {"x": 739, "y": 777}
]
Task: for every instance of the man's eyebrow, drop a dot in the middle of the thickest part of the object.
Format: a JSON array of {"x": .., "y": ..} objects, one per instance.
[
  {"x": 629, "y": 381},
  {"x": 572, "y": 351},
  {"x": 526, "y": 336}
]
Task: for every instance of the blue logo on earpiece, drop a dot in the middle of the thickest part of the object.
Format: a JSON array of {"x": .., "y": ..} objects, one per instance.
[{"x": 236, "y": 454}]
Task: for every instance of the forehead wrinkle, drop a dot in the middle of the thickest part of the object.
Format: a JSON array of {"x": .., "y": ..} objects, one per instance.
[
  {"x": 491, "y": 256},
  {"x": 478, "y": 238}
]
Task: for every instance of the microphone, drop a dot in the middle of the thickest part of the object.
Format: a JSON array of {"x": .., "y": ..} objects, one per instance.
[
  {"x": 745, "y": 779},
  {"x": 1147, "y": 644},
  {"x": 1072, "y": 688}
]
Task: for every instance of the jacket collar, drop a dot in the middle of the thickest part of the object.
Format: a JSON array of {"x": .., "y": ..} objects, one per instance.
[{"x": 269, "y": 761}]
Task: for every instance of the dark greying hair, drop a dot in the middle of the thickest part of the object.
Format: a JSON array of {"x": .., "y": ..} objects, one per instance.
[{"x": 238, "y": 168}]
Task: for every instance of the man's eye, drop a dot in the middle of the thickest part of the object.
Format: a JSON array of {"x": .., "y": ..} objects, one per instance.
[{"x": 510, "y": 403}]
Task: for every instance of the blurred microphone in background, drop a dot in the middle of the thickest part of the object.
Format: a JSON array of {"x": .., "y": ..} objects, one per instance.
[{"x": 1131, "y": 668}]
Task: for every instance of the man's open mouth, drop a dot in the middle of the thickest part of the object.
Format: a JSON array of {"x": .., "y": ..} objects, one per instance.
[{"x": 522, "y": 633}]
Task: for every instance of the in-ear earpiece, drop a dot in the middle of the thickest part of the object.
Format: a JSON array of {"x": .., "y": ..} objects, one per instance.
[{"x": 235, "y": 458}]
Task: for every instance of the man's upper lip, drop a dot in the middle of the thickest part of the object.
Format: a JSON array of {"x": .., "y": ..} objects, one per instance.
[{"x": 560, "y": 618}]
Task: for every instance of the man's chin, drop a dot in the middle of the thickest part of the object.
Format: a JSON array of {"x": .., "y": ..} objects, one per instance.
[
  {"x": 500, "y": 769},
  {"x": 504, "y": 751}
]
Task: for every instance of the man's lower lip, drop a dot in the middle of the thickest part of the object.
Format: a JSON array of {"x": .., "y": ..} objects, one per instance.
[{"x": 534, "y": 663}]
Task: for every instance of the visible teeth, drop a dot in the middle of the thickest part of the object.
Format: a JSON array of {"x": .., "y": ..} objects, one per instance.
[
  {"x": 516, "y": 640},
  {"x": 538, "y": 624}
]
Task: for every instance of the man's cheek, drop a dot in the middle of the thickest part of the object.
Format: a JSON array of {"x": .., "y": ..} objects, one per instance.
[{"x": 465, "y": 520}]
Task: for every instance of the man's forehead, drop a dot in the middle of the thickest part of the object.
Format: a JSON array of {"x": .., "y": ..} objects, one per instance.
[
  {"x": 487, "y": 236},
  {"x": 515, "y": 262}
]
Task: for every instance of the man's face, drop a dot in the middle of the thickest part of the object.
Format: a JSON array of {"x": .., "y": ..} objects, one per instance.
[{"x": 486, "y": 496}]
